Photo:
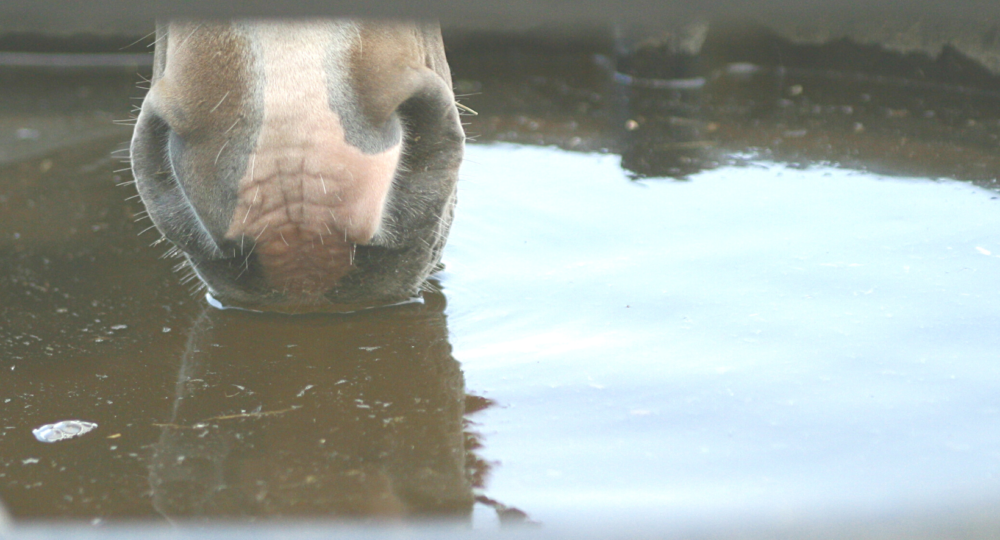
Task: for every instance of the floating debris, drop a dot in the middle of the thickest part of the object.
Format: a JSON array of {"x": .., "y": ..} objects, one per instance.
[
  {"x": 204, "y": 423},
  {"x": 67, "y": 429}
]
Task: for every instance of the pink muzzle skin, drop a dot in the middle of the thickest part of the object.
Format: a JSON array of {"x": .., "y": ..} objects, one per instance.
[{"x": 308, "y": 197}]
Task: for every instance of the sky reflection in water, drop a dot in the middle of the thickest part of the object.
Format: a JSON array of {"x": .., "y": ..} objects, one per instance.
[{"x": 760, "y": 338}]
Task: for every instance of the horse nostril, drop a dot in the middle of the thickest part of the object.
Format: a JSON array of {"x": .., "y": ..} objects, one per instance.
[
  {"x": 154, "y": 150},
  {"x": 431, "y": 111}
]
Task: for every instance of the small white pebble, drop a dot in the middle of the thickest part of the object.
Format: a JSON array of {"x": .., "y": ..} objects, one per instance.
[{"x": 60, "y": 431}]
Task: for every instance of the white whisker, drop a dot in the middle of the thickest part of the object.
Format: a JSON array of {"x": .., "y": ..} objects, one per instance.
[
  {"x": 220, "y": 152},
  {"x": 232, "y": 126},
  {"x": 196, "y": 28},
  {"x": 361, "y": 43},
  {"x": 465, "y": 109},
  {"x": 261, "y": 232},
  {"x": 254, "y": 201},
  {"x": 157, "y": 40},
  {"x": 246, "y": 261},
  {"x": 220, "y": 102},
  {"x": 137, "y": 41}
]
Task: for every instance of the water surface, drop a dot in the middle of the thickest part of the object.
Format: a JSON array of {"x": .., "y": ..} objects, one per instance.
[
  {"x": 758, "y": 339},
  {"x": 714, "y": 308}
]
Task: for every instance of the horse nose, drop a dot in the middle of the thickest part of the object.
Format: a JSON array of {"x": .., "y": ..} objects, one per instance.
[{"x": 302, "y": 180}]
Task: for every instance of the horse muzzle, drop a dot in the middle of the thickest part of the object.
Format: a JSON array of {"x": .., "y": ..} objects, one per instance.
[{"x": 300, "y": 175}]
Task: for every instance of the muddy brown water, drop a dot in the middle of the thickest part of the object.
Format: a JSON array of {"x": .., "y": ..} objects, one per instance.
[{"x": 756, "y": 292}]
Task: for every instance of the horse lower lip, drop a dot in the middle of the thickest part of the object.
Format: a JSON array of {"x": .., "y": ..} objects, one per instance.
[{"x": 299, "y": 262}]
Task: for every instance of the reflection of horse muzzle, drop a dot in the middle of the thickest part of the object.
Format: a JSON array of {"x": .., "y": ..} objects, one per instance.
[{"x": 361, "y": 416}]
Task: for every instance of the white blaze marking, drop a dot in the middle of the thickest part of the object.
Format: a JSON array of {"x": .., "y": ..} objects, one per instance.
[{"x": 303, "y": 161}]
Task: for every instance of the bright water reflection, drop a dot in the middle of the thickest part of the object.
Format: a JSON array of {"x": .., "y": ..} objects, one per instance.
[{"x": 762, "y": 338}]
